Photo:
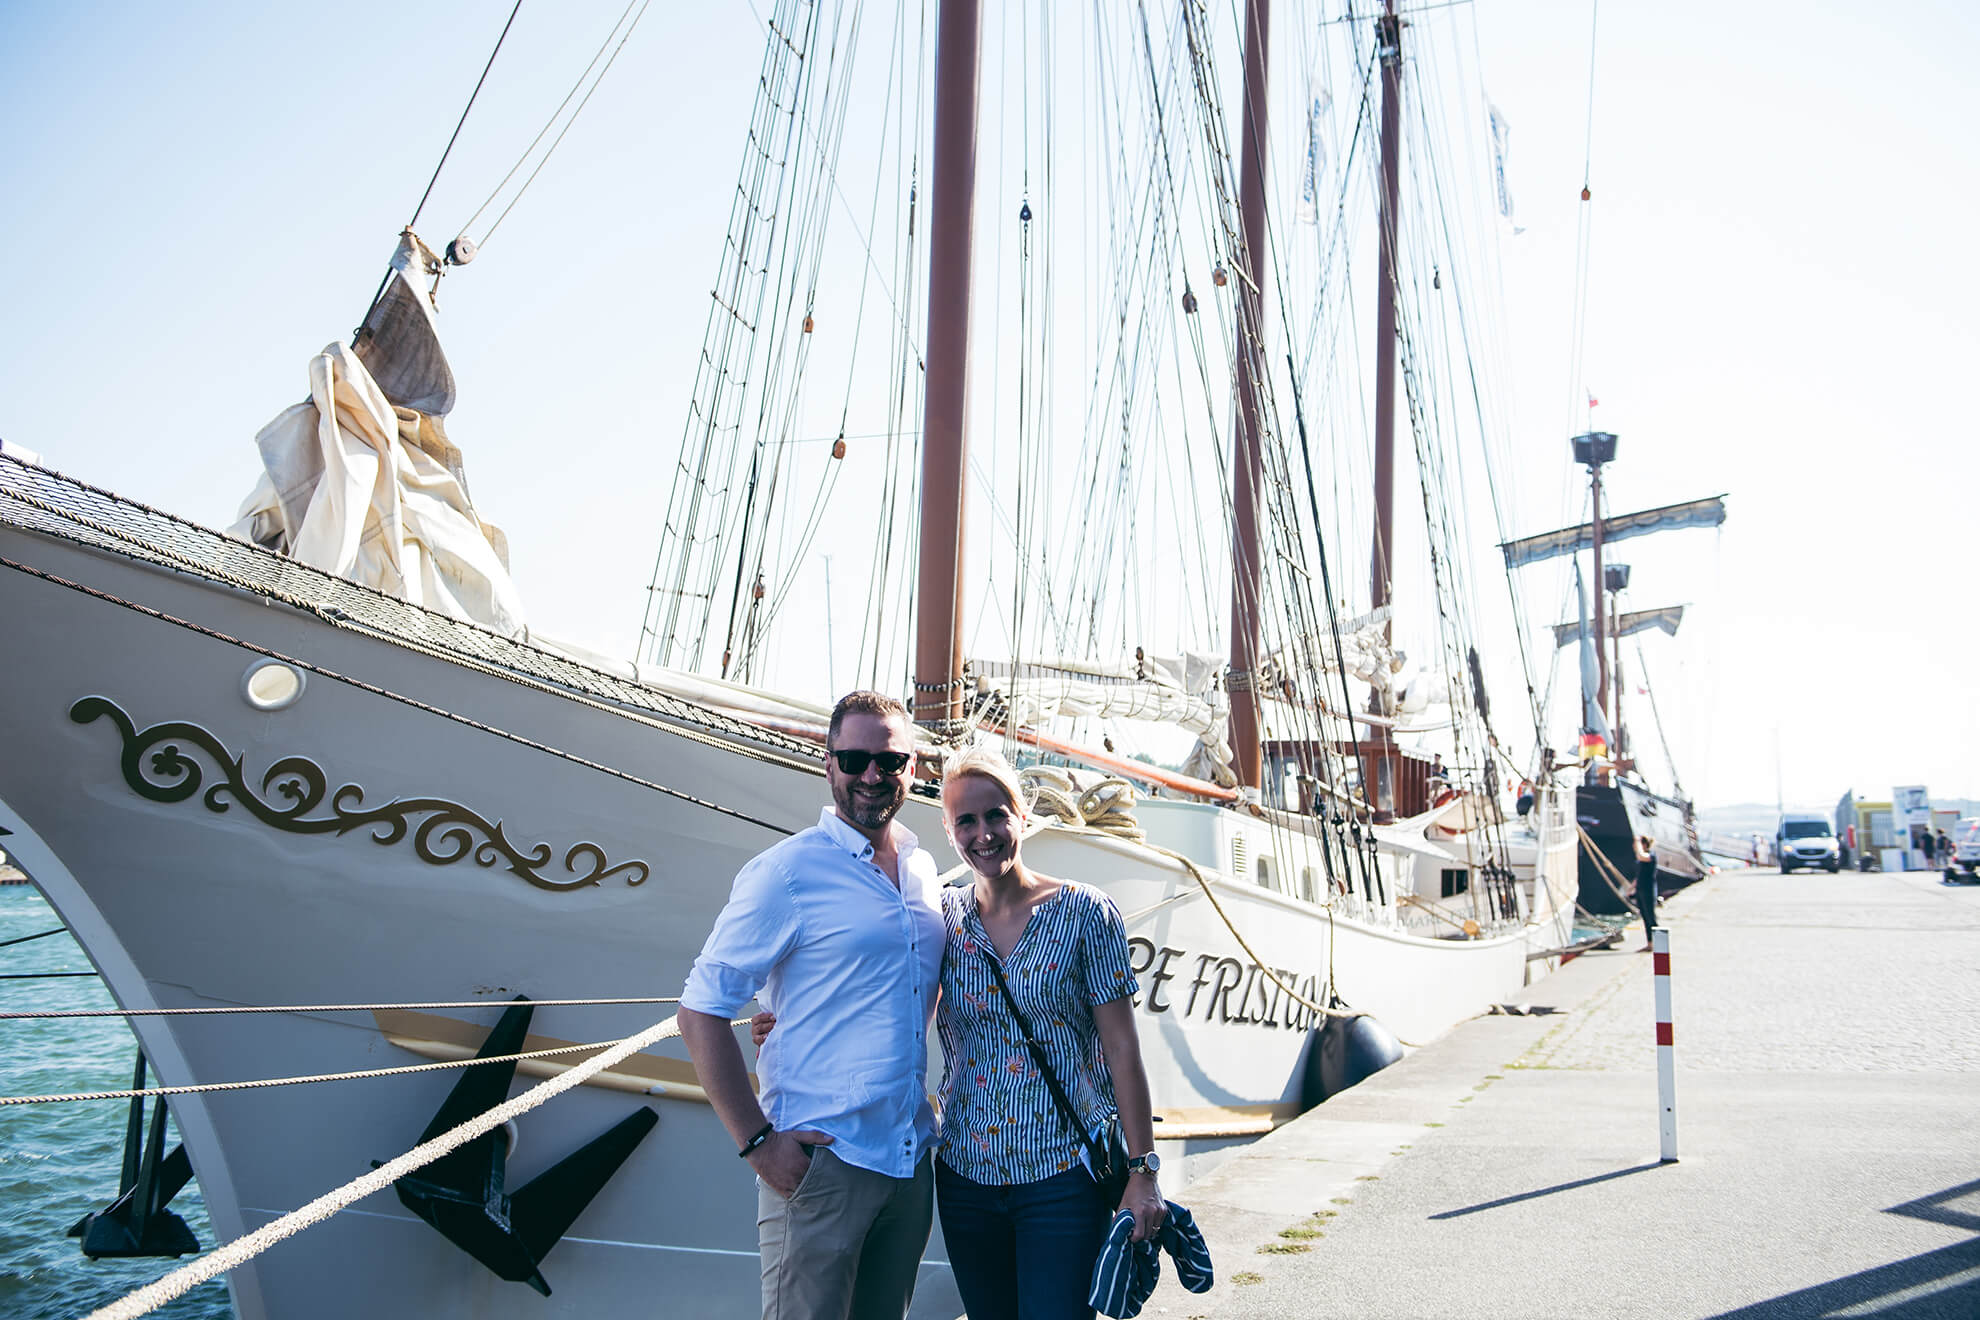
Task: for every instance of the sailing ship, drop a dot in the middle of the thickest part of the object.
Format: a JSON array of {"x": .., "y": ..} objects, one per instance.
[
  {"x": 247, "y": 781},
  {"x": 1614, "y": 804}
]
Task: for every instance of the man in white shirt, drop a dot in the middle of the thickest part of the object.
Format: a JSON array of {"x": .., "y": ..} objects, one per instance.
[{"x": 838, "y": 931}]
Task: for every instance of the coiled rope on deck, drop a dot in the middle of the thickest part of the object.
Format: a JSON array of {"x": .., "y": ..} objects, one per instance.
[
  {"x": 1107, "y": 806},
  {"x": 243, "y": 1249}
]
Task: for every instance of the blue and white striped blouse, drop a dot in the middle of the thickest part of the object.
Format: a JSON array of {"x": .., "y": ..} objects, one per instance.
[{"x": 999, "y": 1123}]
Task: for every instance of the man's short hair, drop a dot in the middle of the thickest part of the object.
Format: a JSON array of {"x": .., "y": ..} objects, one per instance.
[{"x": 863, "y": 702}]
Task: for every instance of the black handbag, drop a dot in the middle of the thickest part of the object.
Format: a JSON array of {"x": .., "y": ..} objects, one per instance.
[{"x": 1106, "y": 1146}]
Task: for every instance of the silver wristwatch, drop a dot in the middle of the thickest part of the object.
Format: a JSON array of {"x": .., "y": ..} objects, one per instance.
[{"x": 1149, "y": 1163}]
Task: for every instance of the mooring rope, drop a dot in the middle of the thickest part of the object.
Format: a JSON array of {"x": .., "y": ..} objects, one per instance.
[
  {"x": 330, "y": 1008},
  {"x": 243, "y": 1249},
  {"x": 1465, "y": 924},
  {"x": 263, "y": 1083},
  {"x": 1607, "y": 870},
  {"x": 1203, "y": 882}
]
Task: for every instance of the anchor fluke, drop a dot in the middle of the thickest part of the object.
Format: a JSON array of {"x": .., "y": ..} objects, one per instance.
[
  {"x": 137, "y": 1222},
  {"x": 462, "y": 1194}
]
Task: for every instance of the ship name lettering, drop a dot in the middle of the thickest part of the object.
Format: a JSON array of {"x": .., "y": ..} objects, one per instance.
[
  {"x": 1229, "y": 971},
  {"x": 1264, "y": 996}
]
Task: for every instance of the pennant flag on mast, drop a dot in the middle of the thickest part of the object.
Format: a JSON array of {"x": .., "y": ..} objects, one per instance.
[
  {"x": 1499, "y": 137},
  {"x": 1316, "y": 154}
]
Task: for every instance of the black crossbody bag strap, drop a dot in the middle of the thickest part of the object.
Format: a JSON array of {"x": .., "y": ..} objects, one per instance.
[{"x": 1093, "y": 1149}]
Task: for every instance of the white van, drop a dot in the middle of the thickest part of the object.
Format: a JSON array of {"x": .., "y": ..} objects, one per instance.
[{"x": 1808, "y": 841}]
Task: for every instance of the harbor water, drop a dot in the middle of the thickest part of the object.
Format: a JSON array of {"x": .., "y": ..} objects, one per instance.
[{"x": 60, "y": 1161}]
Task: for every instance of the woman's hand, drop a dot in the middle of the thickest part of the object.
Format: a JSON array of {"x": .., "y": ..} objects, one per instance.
[
  {"x": 759, "y": 1028},
  {"x": 1144, "y": 1198}
]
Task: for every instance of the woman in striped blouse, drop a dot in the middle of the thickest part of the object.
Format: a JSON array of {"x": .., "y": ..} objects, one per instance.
[{"x": 1022, "y": 1216}]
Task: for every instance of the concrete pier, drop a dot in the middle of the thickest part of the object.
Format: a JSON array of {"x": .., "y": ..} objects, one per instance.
[{"x": 1827, "y": 1033}]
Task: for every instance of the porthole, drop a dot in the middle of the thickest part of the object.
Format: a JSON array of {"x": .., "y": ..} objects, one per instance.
[{"x": 271, "y": 685}]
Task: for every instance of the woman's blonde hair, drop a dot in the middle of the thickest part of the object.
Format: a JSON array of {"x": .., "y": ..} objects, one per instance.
[{"x": 986, "y": 763}]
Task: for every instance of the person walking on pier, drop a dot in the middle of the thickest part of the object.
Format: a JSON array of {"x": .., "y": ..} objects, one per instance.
[
  {"x": 838, "y": 931},
  {"x": 1646, "y": 885}
]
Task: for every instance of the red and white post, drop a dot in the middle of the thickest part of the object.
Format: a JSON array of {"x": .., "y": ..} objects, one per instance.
[{"x": 1660, "y": 974}]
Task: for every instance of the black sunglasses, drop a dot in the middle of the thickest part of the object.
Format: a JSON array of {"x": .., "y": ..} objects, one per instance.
[{"x": 854, "y": 762}]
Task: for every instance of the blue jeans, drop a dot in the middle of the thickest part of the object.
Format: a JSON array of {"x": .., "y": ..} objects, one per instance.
[{"x": 1026, "y": 1251}]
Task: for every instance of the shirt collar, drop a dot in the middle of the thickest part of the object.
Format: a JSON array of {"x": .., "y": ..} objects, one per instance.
[{"x": 858, "y": 844}]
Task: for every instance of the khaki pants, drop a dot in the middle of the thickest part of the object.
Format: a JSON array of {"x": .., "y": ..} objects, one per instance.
[{"x": 846, "y": 1245}]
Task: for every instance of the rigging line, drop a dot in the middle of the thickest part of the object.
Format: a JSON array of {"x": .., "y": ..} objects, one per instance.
[
  {"x": 373, "y": 306},
  {"x": 1588, "y": 137},
  {"x": 464, "y": 115},
  {"x": 496, "y": 191},
  {"x": 1246, "y": 340},
  {"x": 802, "y": 258},
  {"x": 719, "y": 397},
  {"x": 1491, "y": 473},
  {"x": 232, "y": 1010},
  {"x": 1584, "y": 227},
  {"x": 413, "y": 702},
  {"x": 1657, "y": 717},
  {"x": 39, "y": 935},
  {"x": 865, "y": 242},
  {"x": 1297, "y": 599}
]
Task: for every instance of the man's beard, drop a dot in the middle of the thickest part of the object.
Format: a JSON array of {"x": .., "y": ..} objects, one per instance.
[{"x": 867, "y": 812}]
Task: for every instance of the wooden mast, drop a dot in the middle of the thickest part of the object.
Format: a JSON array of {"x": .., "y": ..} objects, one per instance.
[
  {"x": 1382, "y": 573},
  {"x": 944, "y": 447},
  {"x": 1247, "y": 459},
  {"x": 1616, "y": 670},
  {"x": 1601, "y": 589}
]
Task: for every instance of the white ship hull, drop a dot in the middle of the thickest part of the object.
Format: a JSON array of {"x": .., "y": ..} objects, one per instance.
[{"x": 507, "y": 786}]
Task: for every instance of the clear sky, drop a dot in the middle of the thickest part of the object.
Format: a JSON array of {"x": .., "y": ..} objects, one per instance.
[{"x": 1780, "y": 306}]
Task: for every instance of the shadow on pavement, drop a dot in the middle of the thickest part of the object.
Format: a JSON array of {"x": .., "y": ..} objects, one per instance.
[
  {"x": 1935, "y": 1285},
  {"x": 1544, "y": 1191},
  {"x": 1938, "y": 1285}
]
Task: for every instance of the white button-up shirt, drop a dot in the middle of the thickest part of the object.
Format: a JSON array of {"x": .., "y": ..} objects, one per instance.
[{"x": 850, "y": 965}]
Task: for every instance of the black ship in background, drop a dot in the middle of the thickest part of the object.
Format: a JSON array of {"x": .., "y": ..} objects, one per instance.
[{"x": 1614, "y": 805}]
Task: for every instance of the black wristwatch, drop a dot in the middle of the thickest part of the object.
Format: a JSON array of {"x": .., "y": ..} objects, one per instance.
[{"x": 1151, "y": 1163}]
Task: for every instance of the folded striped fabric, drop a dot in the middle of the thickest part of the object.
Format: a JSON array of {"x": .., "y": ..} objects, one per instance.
[{"x": 1126, "y": 1271}]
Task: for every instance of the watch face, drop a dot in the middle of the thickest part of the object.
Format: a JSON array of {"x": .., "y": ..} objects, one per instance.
[{"x": 1151, "y": 1162}]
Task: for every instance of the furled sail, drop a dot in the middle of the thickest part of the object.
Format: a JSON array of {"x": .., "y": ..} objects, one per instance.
[
  {"x": 1666, "y": 617},
  {"x": 361, "y": 481},
  {"x": 1592, "y": 719},
  {"x": 1365, "y": 655},
  {"x": 1186, "y": 691},
  {"x": 1708, "y": 512}
]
